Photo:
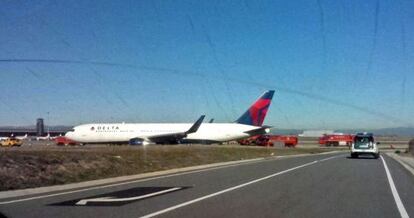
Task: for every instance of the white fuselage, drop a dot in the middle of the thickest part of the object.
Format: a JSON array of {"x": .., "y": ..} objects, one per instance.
[
  {"x": 22, "y": 137},
  {"x": 40, "y": 138},
  {"x": 123, "y": 132}
]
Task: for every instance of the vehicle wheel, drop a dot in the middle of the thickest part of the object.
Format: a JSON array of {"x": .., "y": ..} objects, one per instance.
[{"x": 376, "y": 156}]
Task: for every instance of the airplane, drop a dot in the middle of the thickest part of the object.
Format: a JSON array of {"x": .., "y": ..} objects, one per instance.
[
  {"x": 22, "y": 137},
  {"x": 3, "y": 138},
  {"x": 47, "y": 137},
  {"x": 54, "y": 137},
  {"x": 249, "y": 124},
  {"x": 7, "y": 137}
]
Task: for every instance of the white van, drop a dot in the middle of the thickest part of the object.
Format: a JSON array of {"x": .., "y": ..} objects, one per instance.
[{"x": 363, "y": 143}]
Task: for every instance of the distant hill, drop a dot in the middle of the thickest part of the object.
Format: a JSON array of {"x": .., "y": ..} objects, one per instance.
[
  {"x": 286, "y": 131},
  {"x": 398, "y": 131}
]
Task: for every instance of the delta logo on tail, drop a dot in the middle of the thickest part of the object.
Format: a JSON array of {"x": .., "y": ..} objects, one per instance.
[{"x": 256, "y": 114}]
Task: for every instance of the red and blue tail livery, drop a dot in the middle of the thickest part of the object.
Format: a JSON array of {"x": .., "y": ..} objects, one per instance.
[{"x": 256, "y": 114}]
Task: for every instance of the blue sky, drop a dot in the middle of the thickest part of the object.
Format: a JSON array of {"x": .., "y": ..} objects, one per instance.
[{"x": 333, "y": 64}]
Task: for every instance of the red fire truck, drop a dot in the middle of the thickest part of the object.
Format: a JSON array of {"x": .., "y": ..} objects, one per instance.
[
  {"x": 336, "y": 139},
  {"x": 62, "y": 140},
  {"x": 249, "y": 141},
  {"x": 271, "y": 140}
]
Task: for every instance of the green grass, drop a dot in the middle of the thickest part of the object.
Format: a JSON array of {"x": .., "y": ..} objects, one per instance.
[{"x": 27, "y": 168}]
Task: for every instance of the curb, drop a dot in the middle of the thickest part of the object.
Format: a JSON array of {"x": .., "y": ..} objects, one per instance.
[
  {"x": 400, "y": 160},
  {"x": 135, "y": 178}
]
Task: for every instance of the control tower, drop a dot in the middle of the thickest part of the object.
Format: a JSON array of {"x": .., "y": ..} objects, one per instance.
[{"x": 40, "y": 128}]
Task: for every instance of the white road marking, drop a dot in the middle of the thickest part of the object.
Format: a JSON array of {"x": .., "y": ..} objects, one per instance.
[
  {"x": 135, "y": 181},
  {"x": 394, "y": 191},
  {"x": 328, "y": 158},
  {"x": 129, "y": 182},
  {"x": 112, "y": 199},
  {"x": 85, "y": 201},
  {"x": 231, "y": 189}
]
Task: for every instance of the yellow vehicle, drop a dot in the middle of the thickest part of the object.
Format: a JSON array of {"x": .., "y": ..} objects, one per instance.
[{"x": 10, "y": 142}]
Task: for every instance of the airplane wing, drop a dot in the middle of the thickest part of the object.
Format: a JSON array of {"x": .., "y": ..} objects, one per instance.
[
  {"x": 259, "y": 131},
  {"x": 196, "y": 125},
  {"x": 170, "y": 137},
  {"x": 167, "y": 138}
]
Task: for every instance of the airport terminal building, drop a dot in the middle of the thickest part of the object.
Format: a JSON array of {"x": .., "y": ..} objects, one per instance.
[{"x": 39, "y": 130}]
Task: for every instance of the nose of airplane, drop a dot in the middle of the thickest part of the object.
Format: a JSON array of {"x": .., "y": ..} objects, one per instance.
[{"x": 70, "y": 135}]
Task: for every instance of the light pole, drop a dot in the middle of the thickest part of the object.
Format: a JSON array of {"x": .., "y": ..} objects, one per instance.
[{"x": 48, "y": 130}]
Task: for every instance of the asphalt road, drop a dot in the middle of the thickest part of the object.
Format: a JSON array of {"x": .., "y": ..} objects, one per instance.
[{"x": 331, "y": 185}]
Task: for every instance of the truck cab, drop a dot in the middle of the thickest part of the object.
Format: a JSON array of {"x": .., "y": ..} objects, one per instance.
[{"x": 364, "y": 143}]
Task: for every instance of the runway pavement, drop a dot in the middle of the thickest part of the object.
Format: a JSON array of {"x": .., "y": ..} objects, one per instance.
[{"x": 330, "y": 185}]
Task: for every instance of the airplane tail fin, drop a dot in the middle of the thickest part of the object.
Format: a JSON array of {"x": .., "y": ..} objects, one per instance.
[{"x": 256, "y": 114}]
